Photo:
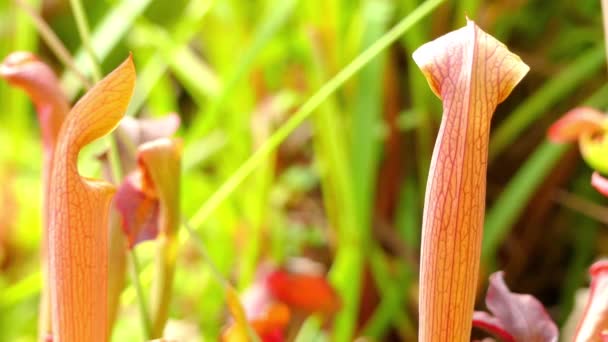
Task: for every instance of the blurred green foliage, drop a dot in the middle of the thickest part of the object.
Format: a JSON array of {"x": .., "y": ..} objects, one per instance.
[{"x": 346, "y": 187}]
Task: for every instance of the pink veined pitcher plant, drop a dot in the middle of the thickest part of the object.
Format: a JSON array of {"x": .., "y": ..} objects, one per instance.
[{"x": 472, "y": 73}]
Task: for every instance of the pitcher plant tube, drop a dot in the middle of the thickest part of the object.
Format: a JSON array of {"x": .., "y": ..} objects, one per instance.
[
  {"x": 472, "y": 73},
  {"x": 78, "y": 214}
]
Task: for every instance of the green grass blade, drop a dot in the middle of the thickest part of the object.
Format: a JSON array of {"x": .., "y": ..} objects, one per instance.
[
  {"x": 393, "y": 295},
  {"x": 85, "y": 36},
  {"x": 516, "y": 195},
  {"x": 105, "y": 37},
  {"x": 359, "y": 195},
  {"x": 194, "y": 74},
  {"x": 307, "y": 109},
  {"x": 203, "y": 123},
  {"x": 367, "y": 117},
  {"x": 422, "y": 98},
  {"x": 14, "y": 100},
  {"x": 155, "y": 66},
  {"x": 311, "y": 331},
  {"x": 584, "y": 236}
]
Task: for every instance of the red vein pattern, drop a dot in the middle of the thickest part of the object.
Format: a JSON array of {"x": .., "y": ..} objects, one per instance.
[
  {"x": 78, "y": 230},
  {"x": 472, "y": 73}
]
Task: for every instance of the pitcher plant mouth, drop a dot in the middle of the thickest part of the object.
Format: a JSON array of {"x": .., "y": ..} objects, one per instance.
[{"x": 472, "y": 73}]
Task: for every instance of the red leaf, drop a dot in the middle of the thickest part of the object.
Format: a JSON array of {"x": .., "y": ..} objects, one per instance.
[
  {"x": 517, "y": 317},
  {"x": 306, "y": 292},
  {"x": 139, "y": 210},
  {"x": 578, "y": 121}
]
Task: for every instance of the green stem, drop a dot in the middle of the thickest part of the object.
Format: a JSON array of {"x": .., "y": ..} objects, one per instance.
[
  {"x": 117, "y": 174},
  {"x": 307, "y": 109},
  {"x": 605, "y": 21},
  {"x": 162, "y": 285},
  {"x": 143, "y": 309},
  {"x": 85, "y": 35},
  {"x": 114, "y": 160},
  {"x": 216, "y": 273}
]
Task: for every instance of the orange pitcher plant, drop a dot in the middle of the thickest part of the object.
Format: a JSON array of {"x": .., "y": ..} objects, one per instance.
[
  {"x": 472, "y": 73},
  {"x": 78, "y": 210}
]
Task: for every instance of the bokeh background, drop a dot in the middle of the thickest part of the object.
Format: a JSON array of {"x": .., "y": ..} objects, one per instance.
[{"x": 350, "y": 181}]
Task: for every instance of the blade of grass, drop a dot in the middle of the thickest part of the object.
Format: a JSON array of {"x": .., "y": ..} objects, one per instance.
[
  {"x": 163, "y": 98},
  {"x": 605, "y": 22},
  {"x": 408, "y": 218},
  {"x": 367, "y": 117},
  {"x": 422, "y": 98},
  {"x": 514, "y": 198},
  {"x": 269, "y": 27},
  {"x": 357, "y": 198},
  {"x": 584, "y": 237},
  {"x": 260, "y": 188},
  {"x": 333, "y": 160},
  {"x": 307, "y": 109},
  {"x": 141, "y": 298},
  {"x": 393, "y": 293},
  {"x": 194, "y": 74},
  {"x": 155, "y": 66},
  {"x": 147, "y": 76},
  {"x": 311, "y": 331},
  {"x": 85, "y": 36},
  {"x": 21, "y": 290},
  {"x": 14, "y": 101},
  {"x": 106, "y": 35},
  {"x": 235, "y": 304},
  {"x": 348, "y": 255},
  {"x": 53, "y": 42},
  {"x": 588, "y": 208},
  {"x": 584, "y": 67}
]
